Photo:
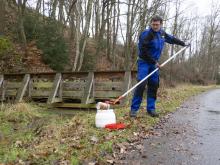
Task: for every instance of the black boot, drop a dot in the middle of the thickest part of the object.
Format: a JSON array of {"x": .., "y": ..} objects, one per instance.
[
  {"x": 133, "y": 114},
  {"x": 153, "y": 114}
]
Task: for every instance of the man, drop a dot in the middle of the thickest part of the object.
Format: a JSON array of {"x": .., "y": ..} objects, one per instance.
[{"x": 150, "y": 46}]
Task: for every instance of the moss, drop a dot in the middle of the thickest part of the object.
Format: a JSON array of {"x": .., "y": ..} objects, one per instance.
[
  {"x": 12, "y": 154},
  {"x": 5, "y": 46},
  {"x": 107, "y": 146},
  {"x": 74, "y": 160}
]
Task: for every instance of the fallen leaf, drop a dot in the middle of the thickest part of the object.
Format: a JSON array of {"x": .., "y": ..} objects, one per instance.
[
  {"x": 122, "y": 150},
  {"x": 140, "y": 147},
  {"x": 18, "y": 143},
  {"x": 94, "y": 139},
  {"x": 110, "y": 161},
  {"x": 91, "y": 163},
  {"x": 135, "y": 133}
]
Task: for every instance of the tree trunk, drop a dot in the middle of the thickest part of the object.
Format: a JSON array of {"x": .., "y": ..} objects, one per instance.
[
  {"x": 174, "y": 31},
  {"x": 143, "y": 16},
  {"x": 77, "y": 36},
  {"x": 97, "y": 18},
  {"x": 43, "y": 10},
  {"x": 85, "y": 33},
  {"x": 109, "y": 30},
  {"x": 21, "y": 10},
  {"x": 115, "y": 33},
  {"x": 128, "y": 33},
  {"x": 2, "y": 17},
  {"x": 61, "y": 14},
  {"x": 102, "y": 29},
  {"x": 38, "y": 6},
  {"x": 54, "y": 7},
  {"x": 69, "y": 11}
]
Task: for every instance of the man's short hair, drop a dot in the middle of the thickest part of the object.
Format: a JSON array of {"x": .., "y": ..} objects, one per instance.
[{"x": 156, "y": 18}]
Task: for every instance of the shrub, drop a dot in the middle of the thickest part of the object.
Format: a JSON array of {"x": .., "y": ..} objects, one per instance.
[
  {"x": 49, "y": 38},
  {"x": 53, "y": 45},
  {"x": 33, "y": 26},
  {"x": 5, "y": 46}
]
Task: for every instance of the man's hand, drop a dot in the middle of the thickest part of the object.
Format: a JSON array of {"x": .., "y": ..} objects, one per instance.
[
  {"x": 187, "y": 44},
  {"x": 158, "y": 65}
]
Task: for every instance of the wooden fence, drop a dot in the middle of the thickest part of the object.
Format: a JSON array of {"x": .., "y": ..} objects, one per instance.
[{"x": 67, "y": 89}]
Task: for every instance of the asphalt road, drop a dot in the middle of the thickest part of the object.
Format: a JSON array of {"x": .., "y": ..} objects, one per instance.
[{"x": 190, "y": 136}]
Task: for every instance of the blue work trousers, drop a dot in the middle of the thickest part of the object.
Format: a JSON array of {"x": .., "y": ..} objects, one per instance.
[{"x": 152, "y": 83}]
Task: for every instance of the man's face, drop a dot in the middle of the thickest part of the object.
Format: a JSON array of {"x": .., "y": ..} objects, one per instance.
[{"x": 156, "y": 25}]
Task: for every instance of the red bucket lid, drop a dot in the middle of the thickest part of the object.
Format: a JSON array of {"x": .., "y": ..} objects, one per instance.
[{"x": 115, "y": 126}]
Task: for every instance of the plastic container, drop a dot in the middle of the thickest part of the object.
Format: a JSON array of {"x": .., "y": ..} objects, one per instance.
[
  {"x": 103, "y": 106},
  {"x": 104, "y": 117}
]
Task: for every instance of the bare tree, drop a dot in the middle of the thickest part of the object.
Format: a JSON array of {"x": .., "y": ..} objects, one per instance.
[
  {"x": 53, "y": 10},
  {"x": 101, "y": 31},
  {"x": 115, "y": 32},
  {"x": 61, "y": 11},
  {"x": 21, "y": 11},
  {"x": 174, "y": 32},
  {"x": 2, "y": 16},
  {"x": 97, "y": 17},
  {"x": 38, "y": 6},
  {"x": 77, "y": 35},
  {"x": 85, "y": 33}
]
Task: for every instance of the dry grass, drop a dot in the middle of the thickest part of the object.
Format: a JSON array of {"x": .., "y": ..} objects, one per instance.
[
  {"x": 19, "y": 112},
  {"x": 31, "y": 134}
]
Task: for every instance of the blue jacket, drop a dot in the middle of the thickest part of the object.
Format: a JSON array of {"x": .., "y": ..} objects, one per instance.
[{"x": 151, "y": 44}]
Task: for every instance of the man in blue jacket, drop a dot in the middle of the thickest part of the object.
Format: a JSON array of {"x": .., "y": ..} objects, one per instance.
[{"x": 150, "y": 46}]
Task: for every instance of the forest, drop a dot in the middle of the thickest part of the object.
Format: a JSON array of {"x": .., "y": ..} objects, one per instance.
[{"x": 71, "y": 35}]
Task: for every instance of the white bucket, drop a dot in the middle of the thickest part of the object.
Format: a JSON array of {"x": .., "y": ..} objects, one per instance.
[{"x": 104, "y": 117}]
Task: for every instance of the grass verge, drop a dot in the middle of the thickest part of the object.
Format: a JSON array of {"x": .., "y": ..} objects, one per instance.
[{"x": 32, "y": 134}]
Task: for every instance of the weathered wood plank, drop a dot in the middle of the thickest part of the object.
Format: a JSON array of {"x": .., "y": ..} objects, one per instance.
[
  {"x": 1, "y": 80},
  {"x": 42, "y": 85},
  {"x": 66, "y": 94},
  {"x": 70, "y": 73},
  {"x": 13, "y": 85},
  {"x": 74, "y": 75},
  {"x": 1, "y": 85},
  {"x": 78, "y": 105},
  {"x": 90, "y": 101},
  {"x": 80, "y": 85},
  {"x": 60, "y": 90},
  {"x": 55, "y": 87},
  {"x": 10, "y": 92},
  {"x": 88, "y": 89},
  {"x": 23, "y": 88},
  {"x": 40, "y": 93},
  {"x": 57, "y": 100},
  {"x": 73, "y": 94},
  {"x": 109, "y": 86},
  {"x": 107, "y": 94},
  {"x": 73, "y": 105},
  {"x": 30, "y": 88},
  {"x": 3, "y": 89},
  {"x": 109, "y": 75}
]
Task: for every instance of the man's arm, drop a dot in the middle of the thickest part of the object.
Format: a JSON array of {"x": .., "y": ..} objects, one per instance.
[
  {"x": 144, "y": 40},
  {"x": 172, "y": 40}
]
